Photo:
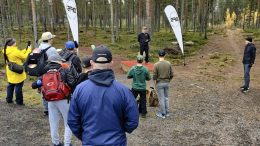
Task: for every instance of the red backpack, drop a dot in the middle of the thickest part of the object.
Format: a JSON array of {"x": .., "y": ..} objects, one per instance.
[{"x": 53, "y": 87}]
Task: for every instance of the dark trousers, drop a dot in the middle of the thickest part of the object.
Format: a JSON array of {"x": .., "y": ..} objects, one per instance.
[
  {"x": 146, "y": 50},
  {"x": 18, "y": 93},
  {"x": 247, "y": 68},
  {"x": 142, "y": 100}
]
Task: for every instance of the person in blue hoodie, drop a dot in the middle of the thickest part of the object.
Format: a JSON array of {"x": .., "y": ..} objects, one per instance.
[{"x": 102, "y": 110}]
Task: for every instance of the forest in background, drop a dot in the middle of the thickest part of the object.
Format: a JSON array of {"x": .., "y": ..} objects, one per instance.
[{"x": 27, "y": 19}]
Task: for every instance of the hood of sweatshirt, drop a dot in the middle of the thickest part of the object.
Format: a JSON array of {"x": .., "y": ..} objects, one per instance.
[
  {"x": 139, "y": 70},
  {"x": 102, "y": 77}
]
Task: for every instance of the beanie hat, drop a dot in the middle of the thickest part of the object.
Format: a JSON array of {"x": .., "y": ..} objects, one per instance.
[{"x": 55, "y": 58}]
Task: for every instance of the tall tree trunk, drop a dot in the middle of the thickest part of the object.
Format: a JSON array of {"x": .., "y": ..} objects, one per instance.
[
  {"x": 51, "y": 16},
  {"x": 86, "y": 16},
  {"x": 18, "y": 16},
  {"x": 112, "y": 22},
  {"x": 182, "y": 15},
  {"x": 206, "y": 18},
  {"x": 148, "y": 15},
  {"x": 116, "y": 17},
  {"x": 193, "y": 16},
  {"x": 34, "y": 22},
  {"x": 94, "y": 16}
]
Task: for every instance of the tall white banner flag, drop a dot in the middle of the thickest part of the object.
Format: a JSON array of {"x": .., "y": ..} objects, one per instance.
[
  {"x": 71, "y": 11},
  {"x": 174, "y": 20}
]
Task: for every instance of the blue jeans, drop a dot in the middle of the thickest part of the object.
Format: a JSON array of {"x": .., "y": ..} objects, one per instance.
[
  {"x": 247, "y": 68},
  {"x": 18, "y": 93},
  {"x": 163, "y": 89}
]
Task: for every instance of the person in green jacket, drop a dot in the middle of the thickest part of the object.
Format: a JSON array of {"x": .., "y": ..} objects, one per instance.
[{"x": 140, "y": 75}]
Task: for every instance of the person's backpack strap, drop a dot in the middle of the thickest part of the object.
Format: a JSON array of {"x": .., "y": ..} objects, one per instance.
[{"x": 45, "y": 50}]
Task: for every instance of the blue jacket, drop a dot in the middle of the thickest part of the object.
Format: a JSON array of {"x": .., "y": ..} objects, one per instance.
[{"x": 102, "y": 110}]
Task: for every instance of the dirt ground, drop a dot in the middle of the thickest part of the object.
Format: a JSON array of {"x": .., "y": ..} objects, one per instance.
[{"x": 207, "y": 107}]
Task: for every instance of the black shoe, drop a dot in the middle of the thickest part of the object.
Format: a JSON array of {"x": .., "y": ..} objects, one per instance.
[
  {"x": 60, "y": 144},
  {"x": 9, "y": 102},
  {"x": 46, "y": 113},
  {"x": 20, "y": 104},
  {"x": 245, "y": 90},
  {"x": 243, "y": 87}
]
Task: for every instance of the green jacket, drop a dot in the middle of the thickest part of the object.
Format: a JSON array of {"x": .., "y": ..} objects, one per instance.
[{"x": 140, "y": 75}]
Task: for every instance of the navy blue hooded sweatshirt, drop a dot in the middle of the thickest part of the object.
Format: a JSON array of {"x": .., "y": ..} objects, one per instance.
[
  {"x": 249, "y": 54},
  {"x": 102, "y": 110}
]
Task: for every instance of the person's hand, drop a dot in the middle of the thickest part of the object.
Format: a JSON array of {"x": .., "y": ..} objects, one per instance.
[{"x": 76, "y": 44}]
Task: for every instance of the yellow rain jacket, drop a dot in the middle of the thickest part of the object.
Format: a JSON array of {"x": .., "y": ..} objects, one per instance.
[{"x": 17, "y": 56}]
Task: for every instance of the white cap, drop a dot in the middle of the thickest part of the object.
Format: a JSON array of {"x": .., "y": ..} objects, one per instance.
[{"x": 47, "y": 36}]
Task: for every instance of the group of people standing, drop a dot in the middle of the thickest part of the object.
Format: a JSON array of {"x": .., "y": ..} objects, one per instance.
[{"x": 99, "y": 110}]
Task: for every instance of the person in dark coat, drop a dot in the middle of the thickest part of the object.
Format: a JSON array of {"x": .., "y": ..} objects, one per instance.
[
  {"x": 144, "y": 39},
  {"x": 86, "y": 66},
  {"x": 248, "y": 62}
]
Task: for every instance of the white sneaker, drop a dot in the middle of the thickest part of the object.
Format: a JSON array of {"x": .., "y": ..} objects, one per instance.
[
  {"x": 160, "y": 115},
  {"x": 167, "y": 115}
]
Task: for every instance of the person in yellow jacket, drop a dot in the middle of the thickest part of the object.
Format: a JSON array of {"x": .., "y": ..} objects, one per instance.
[{"x": 15, "y": 80}]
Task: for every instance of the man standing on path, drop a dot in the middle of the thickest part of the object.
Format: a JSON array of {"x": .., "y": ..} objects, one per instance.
[
  {"x": 140, "y": 75},
  {"x": 162, "y": 75},
  {"x": 102, "y": 110},
  {"x": 248, "y": 61},
  {"x": 144, "y": 39}
]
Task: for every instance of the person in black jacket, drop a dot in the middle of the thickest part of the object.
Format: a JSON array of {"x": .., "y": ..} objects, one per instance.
[
  {"x": 248, "y": 61},
  {"x": 69, "y": 54},
  {"x": 87, "y": 68},
  {"x": 144, "y": 39}
]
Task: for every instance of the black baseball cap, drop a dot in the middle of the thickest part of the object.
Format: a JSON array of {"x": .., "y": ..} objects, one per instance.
[
  {"x": 101, "y": 54},
  {"x": 161, "y": 53}
]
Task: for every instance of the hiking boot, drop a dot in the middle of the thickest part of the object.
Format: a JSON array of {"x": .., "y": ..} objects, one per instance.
[
  {"x": 46, "y": 113},
  {"x": 160, "y": 115},
  {"x": 245, "y": 90}
]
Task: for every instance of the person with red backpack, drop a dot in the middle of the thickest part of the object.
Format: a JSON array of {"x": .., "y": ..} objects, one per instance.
[{"x": 56, "y": 87}]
